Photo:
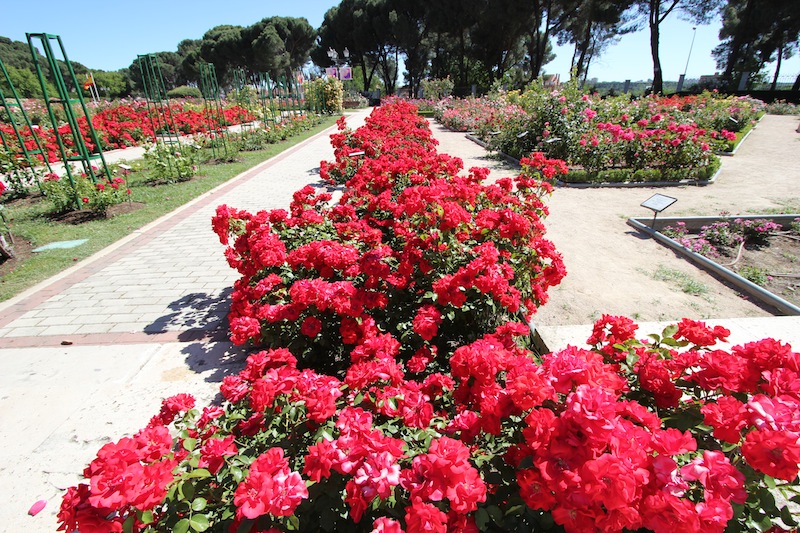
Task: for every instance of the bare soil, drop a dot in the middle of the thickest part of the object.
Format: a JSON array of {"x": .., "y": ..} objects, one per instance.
[{"x": 778, "y": 261}]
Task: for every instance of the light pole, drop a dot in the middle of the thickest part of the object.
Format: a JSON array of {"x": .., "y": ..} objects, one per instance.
[
  {"x": 334, "y": 55},
  {"x": 694, "y": 34}
]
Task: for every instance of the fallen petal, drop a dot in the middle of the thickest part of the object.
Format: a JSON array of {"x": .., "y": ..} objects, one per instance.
[{"x": 36, "y": 507}]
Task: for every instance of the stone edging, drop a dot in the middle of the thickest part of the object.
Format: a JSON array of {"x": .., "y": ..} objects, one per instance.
[{"x": 739, "y": 282}]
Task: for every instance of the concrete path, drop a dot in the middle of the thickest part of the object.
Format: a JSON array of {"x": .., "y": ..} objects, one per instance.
[{"x": 144, "y": 319}]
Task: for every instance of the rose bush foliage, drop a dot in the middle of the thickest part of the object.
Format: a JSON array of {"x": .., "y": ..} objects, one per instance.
[
  {"x": 406, "y": 433},
  {"x": 610, "y": 139}
]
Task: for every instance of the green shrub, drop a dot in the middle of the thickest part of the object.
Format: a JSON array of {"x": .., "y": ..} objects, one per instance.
[
  {"x": 98, "y": 196},
  {"x": 615, "y": 175},
  {"x": 184, "y": 91},
  {"x": 782, "y": 107},
  {"x": 646, "y": 175},
  {"x": 576, "y": 176},
  {"x": 353, "y": 100},
  {"x": 169, "y": 163},
  {"x": 16, "y": 174},
  {"x": 437, "y": 89},
  {"x": 754, "y": 275}
]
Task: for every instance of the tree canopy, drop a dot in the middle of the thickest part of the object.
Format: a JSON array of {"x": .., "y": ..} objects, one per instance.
[{"x": 754, "y": 33}]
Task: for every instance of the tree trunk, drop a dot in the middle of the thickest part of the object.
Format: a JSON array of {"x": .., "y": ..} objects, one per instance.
[
  {"x": 777, "y": 68},
  {"x": 584, "y": 46},
  {"x": 462, "y": 59},
  {"x": 658, "y": 78},
  {"x": 736, "y": 42}
]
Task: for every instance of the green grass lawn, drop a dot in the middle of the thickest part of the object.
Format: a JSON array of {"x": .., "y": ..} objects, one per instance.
[{"x": 30, "y": 220}]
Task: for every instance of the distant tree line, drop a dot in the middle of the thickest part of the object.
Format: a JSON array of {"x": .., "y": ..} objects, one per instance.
[{"x": 473, "y": 42}]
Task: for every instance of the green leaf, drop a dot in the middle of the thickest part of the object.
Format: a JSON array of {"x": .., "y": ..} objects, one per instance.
[
  {"x": 127, "y": 526},
  {"x": 670, "y": 331},
  {"x": 147, "y": 517},
  {"x": 186, "y": 490},
  {"x": 198, "y": 504},
  {"x": 496, "y": 514},
  {"x": 199, "y": 522},
  {"x": 482, "y": 518},
  {"x": 182, "y": 526},
  {"x": 237, "y": 474},
  {"x": 787, "y": 518},
  {"x": 189, "y": 444},
  {"x": 293, "y": 523},
  {"x": 198, "y": 474},
  {"x": 770, "y": 482}
]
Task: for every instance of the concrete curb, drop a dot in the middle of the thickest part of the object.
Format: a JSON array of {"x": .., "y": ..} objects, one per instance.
[{"x": 739, "y": 282}]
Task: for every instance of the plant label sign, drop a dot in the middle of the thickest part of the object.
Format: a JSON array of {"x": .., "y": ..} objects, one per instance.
[{"x": 659, "y": 202}]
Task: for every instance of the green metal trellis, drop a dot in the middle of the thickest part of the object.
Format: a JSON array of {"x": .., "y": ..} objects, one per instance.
[
  {"x": 217, "y": 125},
  {"x": 63, "y": 99},
  {"x": 158, "y": 109},
  {"x": 269, "y": 110},
  {"x": 23, "y": 151}
]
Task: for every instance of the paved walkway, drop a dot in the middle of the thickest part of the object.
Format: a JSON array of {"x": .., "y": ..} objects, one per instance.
[{"x": 144, "y": 319}]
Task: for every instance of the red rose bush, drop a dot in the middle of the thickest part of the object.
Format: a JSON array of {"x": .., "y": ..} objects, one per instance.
[{"x": 394, "y": 390}]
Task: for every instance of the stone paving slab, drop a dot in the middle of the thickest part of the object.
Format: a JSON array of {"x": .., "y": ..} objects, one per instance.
[{"x": 58, "y": 406}]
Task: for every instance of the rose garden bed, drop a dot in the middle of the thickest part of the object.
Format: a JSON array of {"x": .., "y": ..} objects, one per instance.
[
  {"x": 391, "y": 386},
  {"x": 615, "y": 140}
]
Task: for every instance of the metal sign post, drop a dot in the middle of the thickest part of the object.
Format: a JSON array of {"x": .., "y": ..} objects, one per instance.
[{"x": 657, "y": 203}]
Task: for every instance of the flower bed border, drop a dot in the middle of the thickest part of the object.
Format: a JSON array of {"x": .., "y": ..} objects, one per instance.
[
  {"x": 739, "y": 143},
  {"x": 695, "y": 223},
  {"x": 589, "y": 185}
]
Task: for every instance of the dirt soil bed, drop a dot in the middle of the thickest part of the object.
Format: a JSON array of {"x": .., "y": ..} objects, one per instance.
[{"x": 775, "y": 266}]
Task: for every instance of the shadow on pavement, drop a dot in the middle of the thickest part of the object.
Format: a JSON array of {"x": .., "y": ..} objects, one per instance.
[
  {"x": 195, "y": 312},
  {"x": 221, "y": 358}
]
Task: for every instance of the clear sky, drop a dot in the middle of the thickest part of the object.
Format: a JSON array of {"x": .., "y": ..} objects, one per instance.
[{"x": 109, "y": 34}]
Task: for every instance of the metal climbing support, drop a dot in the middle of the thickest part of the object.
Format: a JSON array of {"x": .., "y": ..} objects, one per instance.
[
  {"x": 65, "y": 84},
  {"x": 158, "y": 108},
  {"x": 242, "y": 95},
  {"x": 239, "y": 78},
  {"x": 265, "y": 93},
  {"x": 21, "y": 149},
  {"x": 215, "y": 116}
]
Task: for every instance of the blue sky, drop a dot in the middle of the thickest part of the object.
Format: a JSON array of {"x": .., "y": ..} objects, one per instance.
[{"x": 110, "y": 34}]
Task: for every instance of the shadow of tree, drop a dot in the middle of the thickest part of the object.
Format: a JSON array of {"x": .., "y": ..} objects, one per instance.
[
  {"x": 221, "y": 358},
  {"x": 193, "y": 312}
]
